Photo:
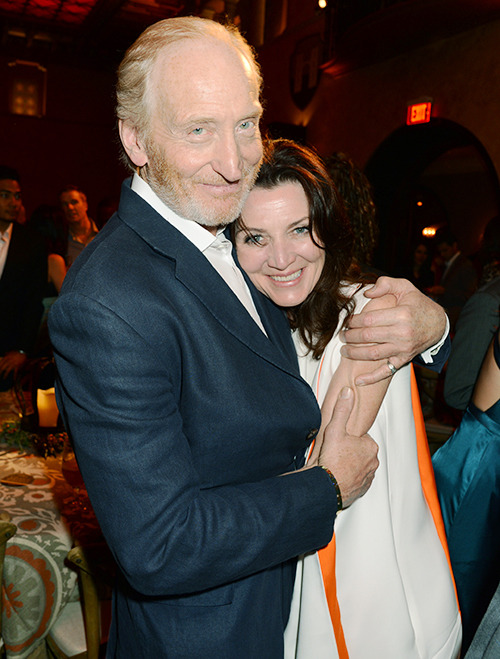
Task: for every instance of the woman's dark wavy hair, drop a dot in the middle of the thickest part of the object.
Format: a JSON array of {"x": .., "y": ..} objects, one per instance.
[{"x": 316, "y": 319}]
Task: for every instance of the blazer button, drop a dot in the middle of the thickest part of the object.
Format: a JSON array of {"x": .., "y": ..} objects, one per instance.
[{"x": 312, "y": 434}]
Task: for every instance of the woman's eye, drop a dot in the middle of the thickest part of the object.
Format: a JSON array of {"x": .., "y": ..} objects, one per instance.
[
  {"x": 254, "y": 239},
  {"x": 301, "y": 230}
]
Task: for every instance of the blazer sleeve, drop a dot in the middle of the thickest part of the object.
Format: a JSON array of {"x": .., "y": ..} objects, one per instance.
[
  {"x": 170, "y": 532},
  {"x": 439, "y": 359}
]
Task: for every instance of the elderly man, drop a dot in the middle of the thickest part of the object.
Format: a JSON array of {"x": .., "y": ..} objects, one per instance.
[
  {"x": 178, "y": 381},
  {"x": 81, "y": 229},
  {"x": 23, "y": 277}
]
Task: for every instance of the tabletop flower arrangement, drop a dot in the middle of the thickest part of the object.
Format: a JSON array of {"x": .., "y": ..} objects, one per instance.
[{"x": 45, "y": 445}]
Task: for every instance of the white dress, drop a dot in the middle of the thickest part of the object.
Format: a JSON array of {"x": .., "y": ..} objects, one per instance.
[{"x": 390, "y": 577}]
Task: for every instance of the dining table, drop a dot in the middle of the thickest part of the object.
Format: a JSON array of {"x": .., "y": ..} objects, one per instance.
[{"x": 50, "y": 517}]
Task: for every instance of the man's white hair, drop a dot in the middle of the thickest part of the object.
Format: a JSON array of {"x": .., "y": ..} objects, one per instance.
[{"x": 132, "y": 99}]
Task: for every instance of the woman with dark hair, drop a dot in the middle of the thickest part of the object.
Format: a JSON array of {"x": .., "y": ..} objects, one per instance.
[
  {"x": 48, "y": 223},
  {"x": 383, "y": 587},
  {"x": 419, "y": 271},
  {"x": 357, "y": 197}
]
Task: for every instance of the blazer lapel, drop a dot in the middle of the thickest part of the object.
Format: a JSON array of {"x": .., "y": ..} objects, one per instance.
[
  {"x": 275, "y": 322},
  {"x": 198, "y": 275}
]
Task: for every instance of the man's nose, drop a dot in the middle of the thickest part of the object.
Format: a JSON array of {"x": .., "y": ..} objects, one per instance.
[{"x": 227, "y": 160}]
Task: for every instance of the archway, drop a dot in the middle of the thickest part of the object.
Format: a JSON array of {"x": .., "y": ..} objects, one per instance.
[{"x": 431, "y": 174}]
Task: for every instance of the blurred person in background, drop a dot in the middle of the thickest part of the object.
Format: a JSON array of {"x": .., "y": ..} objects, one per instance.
[
  {"x": 356, "y": 193},
  {"x": 105, "y": 209},
  {"x": 480, "y": 319},
  {"x": 467, "y": 472},
  {"x": 459, "y": 279},
  {"x": 81, "y": 229},
  {"x": 23, "y": 277},
  {"x": 49, "y": 224},
  {"x": 418, "y": 270}
]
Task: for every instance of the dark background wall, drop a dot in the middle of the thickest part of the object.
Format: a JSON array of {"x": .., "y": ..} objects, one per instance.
[{"x": 74, "y": 143}]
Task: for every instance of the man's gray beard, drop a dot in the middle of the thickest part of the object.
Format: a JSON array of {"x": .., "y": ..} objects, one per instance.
[{"x": 189, "y": 208}]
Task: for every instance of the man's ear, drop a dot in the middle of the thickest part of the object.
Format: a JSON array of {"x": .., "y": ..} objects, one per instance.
[{"x": 132, "y": 144}]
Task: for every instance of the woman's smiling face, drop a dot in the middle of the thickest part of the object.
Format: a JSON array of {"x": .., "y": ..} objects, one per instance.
[{"x": 275, "y": 246}]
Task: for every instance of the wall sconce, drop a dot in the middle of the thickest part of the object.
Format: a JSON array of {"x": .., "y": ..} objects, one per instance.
[{"x": 27, "y": 88}]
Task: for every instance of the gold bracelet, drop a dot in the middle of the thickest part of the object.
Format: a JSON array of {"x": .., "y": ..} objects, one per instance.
[{"x": 336, "y": 486}]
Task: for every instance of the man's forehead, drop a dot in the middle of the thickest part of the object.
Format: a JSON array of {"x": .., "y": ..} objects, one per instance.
[
  {"x": 71, "y": 194},
  {"x": 203, "y": 54},
  {"x": 191, "y": 75},
  {"x": 190, "y": 47},
  {"x": 9, "y": 185}
]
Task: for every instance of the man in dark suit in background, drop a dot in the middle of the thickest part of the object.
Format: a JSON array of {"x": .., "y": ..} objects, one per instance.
[
  {"x": 477, "y": 323},
  {"x": 23, "y": 276},
  {"x": 179, "y": 383},
  {"x": 459, "y": 279},
  {"x": 475, "y": 329}
]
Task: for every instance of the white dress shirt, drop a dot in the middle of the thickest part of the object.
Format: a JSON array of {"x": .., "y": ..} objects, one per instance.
[
  {"x": 5, "y": 237},
  {"x": 449, "y": 263}
]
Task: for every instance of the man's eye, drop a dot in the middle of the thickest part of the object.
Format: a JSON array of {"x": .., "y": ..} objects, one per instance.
[
  {"x": 249, "y": 126},
  {"x": 197, "y": 131}
]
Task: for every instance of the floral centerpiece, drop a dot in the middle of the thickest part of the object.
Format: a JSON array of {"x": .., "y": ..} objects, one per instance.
[{"x": 45, "y": 445}]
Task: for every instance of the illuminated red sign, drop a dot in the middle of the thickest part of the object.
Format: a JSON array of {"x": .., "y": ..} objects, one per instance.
[{"x": 419, "y": 113}]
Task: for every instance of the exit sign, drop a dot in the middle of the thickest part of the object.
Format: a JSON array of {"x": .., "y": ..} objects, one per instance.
[{"x": 419, "y": 113}]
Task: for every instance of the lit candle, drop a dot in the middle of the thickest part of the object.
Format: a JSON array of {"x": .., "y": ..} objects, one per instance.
[{"x": 47, "y": 408}]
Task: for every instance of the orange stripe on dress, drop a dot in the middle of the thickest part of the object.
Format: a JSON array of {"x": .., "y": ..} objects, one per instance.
[
  {"x": 327, "y": 562},
  {"x": 426, "y": 470}
]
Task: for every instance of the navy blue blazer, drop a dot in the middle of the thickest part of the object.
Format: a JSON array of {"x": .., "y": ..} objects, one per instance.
[{"x": 184, "y": 415}]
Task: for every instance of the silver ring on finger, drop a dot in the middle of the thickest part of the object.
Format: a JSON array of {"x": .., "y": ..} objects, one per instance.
[{"x": 392, "y": 368}]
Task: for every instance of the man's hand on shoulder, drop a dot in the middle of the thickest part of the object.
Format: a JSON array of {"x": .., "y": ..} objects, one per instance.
[{"x": 396, "y": 333}]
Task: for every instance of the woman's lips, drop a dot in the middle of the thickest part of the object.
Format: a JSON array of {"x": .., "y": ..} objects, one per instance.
[{"x": 286, "y": 278}]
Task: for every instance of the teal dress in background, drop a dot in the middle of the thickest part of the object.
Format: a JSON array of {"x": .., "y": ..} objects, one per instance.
[{"x": 467, "y": 470}]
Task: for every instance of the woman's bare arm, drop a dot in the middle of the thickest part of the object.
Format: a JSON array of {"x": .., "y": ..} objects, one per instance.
[
  {"x": 368, "y": 398},
  {"x": 57, "y": 270},
  {"x": 487, "y": 389}
]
